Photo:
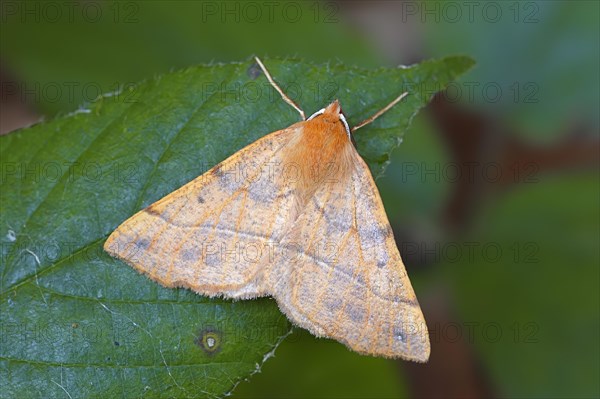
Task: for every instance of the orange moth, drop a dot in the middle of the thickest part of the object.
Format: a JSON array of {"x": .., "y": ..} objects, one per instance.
[{"x": 295, "y": 215}]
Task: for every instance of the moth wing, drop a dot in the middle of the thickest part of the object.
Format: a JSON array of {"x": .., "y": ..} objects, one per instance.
[
  {"x": 346, "y": 275},
  {"x": 214, "y": 234}
]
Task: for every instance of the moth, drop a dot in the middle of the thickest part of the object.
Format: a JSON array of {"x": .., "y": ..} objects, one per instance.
[{"x": 297, "y": 216}]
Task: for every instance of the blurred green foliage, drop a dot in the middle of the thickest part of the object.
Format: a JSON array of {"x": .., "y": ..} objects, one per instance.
[
  {"x": 539, "y": 289},
  {"x": 128, "y": 41},
  {"x": 537, "y": 61}
]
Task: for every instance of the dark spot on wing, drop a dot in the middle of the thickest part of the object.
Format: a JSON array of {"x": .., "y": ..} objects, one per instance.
[
  {"x": 191, "y": 255},
  {"x": 200, "y": 199},
  {"x": 360, "y": 279},
  {"x": 399, "y": 334},
  {"x": 405, "y": 301},
  {"x": 333, "y": 304},
  {"x": 142, "y": 243},
  {"x": 150, "y": 209},
  {"x": 387, "y": 231},
  {"x": 318, "y": 206},
  {"x": 356, "y": 313},
  {"x": 284, "y": 194},
  {"x": 216, "y": 171}
]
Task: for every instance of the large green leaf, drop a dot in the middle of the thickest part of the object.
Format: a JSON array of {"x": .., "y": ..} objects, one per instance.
[{"x": 75, "y": 321}]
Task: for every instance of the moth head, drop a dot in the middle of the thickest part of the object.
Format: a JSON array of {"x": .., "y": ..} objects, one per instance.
[{"x": 333, "y": 114}]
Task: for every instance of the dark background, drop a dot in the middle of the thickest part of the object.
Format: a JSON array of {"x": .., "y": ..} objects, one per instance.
[{"x": 493, "y": 195}]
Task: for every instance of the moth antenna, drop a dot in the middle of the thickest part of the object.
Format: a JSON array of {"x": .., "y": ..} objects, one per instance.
[
  {"x": 276, "y": 86},
  {"x": 380, "y": 112}
]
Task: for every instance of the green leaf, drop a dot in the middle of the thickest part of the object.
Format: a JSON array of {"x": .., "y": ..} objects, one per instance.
[{"x": 76, "y": 321}]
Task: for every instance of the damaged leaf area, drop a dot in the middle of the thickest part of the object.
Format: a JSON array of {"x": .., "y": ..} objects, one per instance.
[{"x": 75, "y": 322}]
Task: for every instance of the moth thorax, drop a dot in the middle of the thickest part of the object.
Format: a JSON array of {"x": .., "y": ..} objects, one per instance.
[{"x": 323, "y": 156}]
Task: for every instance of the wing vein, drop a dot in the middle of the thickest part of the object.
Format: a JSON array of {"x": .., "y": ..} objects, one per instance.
[
  {"x": 369, "y": 299},
  {"x": 307, "y": 245}
]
